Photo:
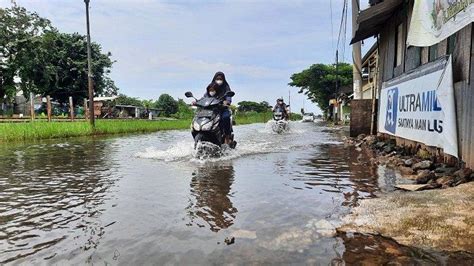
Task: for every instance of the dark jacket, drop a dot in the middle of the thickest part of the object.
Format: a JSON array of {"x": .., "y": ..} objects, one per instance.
[
  {"x": 283, "y": 108},
  {"x": 222, "y": 89}
]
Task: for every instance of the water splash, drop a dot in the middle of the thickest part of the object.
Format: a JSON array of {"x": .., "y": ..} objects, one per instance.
[
  {"x": 207, "y": 152},
  {"x": 179, "y": 151},
  {"x": 259, "y": 141},
  {"x": 292, "y": 128}
]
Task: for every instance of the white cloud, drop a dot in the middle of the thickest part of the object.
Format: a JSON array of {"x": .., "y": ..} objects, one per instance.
[{"x": 166, "y": 46}]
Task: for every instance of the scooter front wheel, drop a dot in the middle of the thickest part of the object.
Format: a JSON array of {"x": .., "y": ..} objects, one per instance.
[{"x": 198, "y": 139}]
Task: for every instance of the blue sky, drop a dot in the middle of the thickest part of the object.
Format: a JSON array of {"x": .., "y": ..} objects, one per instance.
[{"x": 176, "y": 46}]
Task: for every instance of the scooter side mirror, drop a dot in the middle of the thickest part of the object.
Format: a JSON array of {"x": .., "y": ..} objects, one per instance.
[
  {"x": 188, "y": 94},
  {"x": 229, "y": 94}
]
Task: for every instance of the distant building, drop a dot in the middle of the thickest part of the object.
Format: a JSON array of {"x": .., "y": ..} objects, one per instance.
[
  {"x": 106, "y": 107},
  {"x": 340, "y": 107}
]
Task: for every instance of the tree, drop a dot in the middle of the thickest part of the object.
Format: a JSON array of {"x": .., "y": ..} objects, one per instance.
[
  {"x": 19, "y": 30},
  {"x": 148, "y": 104},
  {"x": 167, "y": 104},
  {"x": 46, "y": 61},
  {"x": 318, "y": 82},
  {"x": 58, "y": 67},
  {"x": 249, "y": 106},
  {"x": 184, "y": 111},
  {"x": 125, "y": 100}
]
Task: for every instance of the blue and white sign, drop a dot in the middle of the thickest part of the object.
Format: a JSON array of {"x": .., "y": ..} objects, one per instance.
[
  {"x": 422, "y": 109},
  {"x": 391, "y": 114}
]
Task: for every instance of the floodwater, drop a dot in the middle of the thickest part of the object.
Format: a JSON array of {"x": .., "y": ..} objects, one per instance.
[{"x": 145, "y": 199}]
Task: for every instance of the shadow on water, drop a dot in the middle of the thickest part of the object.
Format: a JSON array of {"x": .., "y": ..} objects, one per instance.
[
  {"x": 50, "y": 191},
  {"x": 211, "y": 196}
]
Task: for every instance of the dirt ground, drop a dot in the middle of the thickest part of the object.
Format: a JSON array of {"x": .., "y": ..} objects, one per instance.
[{"x": 440, "y": 219}]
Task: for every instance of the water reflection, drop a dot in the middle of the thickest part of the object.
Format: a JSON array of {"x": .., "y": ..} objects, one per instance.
[
  {"x": 211, "y": 191},
  {"x": 364, "y": 249},
  {"x": 50, "y": 192},
  {"x": 339, "y": 170}
]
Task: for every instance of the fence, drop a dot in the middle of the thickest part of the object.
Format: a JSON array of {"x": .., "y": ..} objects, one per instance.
[{"x": 38, "y": 108}]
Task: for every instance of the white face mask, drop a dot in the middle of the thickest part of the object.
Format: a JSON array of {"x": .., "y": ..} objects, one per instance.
[
  {"x": 212, "y": 93},
  {"x": 219, "y": 82}
]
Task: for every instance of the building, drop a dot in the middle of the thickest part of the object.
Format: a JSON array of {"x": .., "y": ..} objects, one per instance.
[
  {"x": 106, "y": 107},
  {"x": 340, "y": 107},
  {"x": 426, "y": 75},
  {"x": 370, "y": 73}
]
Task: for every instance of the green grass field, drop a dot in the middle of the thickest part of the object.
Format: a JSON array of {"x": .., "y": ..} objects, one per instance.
[{"x": 45, "y": 130}]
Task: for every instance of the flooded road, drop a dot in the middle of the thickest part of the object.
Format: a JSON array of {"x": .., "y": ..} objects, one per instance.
[{"x": 145, "y": 199}]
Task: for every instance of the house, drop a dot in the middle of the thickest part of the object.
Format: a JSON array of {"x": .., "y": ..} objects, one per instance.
[
  {"x": 106, "y": 107},
  {"x": 341, "y": 106},
  {"x": 425, "y": 79},
  {"x": 364, "y": 120},
  {"x": 370, "y": 73}
]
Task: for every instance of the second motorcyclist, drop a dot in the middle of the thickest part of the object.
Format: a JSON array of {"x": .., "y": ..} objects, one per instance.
[{"x": 280, "y": 105}]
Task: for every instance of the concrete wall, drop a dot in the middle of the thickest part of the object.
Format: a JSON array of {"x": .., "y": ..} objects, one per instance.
[{"x": 361, "y": 114}]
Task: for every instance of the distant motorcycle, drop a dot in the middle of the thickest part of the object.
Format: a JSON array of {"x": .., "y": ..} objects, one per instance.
[
  {"x": 205, "y": 127},
  {"x": 280, "y": 122}
]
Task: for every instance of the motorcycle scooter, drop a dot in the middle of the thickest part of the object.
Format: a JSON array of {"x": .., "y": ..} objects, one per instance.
[
  {"x": 205, "y": 127},
  {"x": 280, "y": 123}
]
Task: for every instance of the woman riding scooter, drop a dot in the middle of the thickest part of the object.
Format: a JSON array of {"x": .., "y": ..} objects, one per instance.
[{"x": 221, "y": 87}]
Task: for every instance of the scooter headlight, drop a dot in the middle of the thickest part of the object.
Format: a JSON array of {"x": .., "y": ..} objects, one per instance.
[{"x": 196, "y": 126}]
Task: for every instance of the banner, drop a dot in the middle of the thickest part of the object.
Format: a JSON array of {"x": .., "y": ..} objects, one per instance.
[
  {"x": 435, "y": 20},
  {"x": 420, "y": 107}
]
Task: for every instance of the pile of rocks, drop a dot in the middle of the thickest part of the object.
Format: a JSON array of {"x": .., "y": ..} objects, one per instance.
[{"x": 421, "y": 167}]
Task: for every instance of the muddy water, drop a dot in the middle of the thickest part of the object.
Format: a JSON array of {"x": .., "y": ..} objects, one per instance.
[{"x": 146, "y": 199}]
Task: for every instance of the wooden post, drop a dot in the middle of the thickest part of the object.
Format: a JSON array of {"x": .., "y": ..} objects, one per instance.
[
  {"x": 71, "y": 108},
  {"x": 89, "y": 68},
  {"x": 48, "y": 107},
  {"x": 32, "y": 106},
  {"x": 86, "y": 112}
]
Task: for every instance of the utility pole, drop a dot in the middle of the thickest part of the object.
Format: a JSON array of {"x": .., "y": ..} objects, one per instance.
[
  {"x": 289, "y": 104},
  {"x": 356, "y": 54},
  {"x": 89, "y": 68},
  {"x": 336, "y": 104}
]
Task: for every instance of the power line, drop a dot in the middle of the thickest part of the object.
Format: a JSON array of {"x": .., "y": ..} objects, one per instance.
[
  {"x": 332, "y": 25},
  {"x": 343, "y": 23},
  {"x": 342, "y": 34},
  {"x": 345, "y": 32}
]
